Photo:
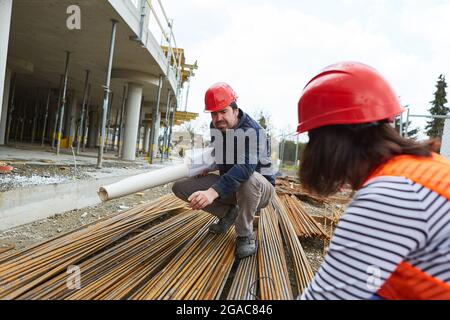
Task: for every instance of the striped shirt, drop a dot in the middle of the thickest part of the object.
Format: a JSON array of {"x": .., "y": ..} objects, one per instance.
[{"x": 390, "y": 220}]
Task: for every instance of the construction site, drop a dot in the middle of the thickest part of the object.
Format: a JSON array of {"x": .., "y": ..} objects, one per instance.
[
  {"x": 116, "y": 82},
  {"x": 90, "y": 94}
]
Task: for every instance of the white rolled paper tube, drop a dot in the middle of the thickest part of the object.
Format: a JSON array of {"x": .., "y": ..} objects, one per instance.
[
  {"x": 194, "y": 164},
  {"x": 143, "y": 181}
]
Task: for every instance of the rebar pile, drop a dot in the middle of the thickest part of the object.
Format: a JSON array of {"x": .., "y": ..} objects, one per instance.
[
  {"x": 245, "y": 279},
  {"x": 293, "y": 187},
  {"x": 302, "y": 268},
  {"x": 26, "y": 269},
  {"x": 304, "y": 225},
  {"x": 5, "y": 248},
  {"x": 198, "y": 272},
  {"x": 289, "y": 187},
  {"x": 273, "y": 271},
  {"x": 123, "y": 257},
  {"x": 118, "y": 271}
]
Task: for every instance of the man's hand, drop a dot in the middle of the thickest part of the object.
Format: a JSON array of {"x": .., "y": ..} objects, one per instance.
[{"x": 200, "y": 199}]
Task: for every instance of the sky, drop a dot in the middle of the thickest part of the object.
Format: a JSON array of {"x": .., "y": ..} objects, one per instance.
[{"x": 267, "y": 50}]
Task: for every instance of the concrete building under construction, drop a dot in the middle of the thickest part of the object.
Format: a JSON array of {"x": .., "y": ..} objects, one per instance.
[{"x": 95, "y": 73}]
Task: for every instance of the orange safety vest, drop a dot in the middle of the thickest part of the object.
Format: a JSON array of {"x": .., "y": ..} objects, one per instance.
[{"x": 408, "y": 282}]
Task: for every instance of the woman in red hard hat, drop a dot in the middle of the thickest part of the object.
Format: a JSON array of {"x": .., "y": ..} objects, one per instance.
[{"x": 393, "y": 241}]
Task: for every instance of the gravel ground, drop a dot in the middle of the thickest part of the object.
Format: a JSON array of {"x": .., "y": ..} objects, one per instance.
[
  {"x": 314, "y": 249},
  {"x": 26, "y": 174}
]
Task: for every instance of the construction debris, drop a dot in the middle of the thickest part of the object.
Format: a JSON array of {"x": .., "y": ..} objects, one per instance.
[{"x": 5, "y": 168}]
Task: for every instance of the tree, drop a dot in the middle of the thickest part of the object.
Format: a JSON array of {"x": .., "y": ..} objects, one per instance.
[
  {"x": 435, "y": 127},
  {"x": 263, "y": 117},
  {"x": 289, "y": 151}
]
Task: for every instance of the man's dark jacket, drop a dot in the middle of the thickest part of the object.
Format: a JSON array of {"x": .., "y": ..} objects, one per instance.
[{"x": 233, "y": 174}]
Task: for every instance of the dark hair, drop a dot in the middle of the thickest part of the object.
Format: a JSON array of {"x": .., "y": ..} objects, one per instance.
[
  {"x": 347, "y": 154},
  {"x": 234, "y": 105}
]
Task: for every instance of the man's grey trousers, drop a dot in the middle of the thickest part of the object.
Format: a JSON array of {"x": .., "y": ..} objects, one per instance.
[{"x": 251, "y": 196}]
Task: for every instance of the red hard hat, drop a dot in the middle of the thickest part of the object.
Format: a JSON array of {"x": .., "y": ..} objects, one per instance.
[
  {"x": 346, "y": 93},
  {"x": 219, "y": 96}
]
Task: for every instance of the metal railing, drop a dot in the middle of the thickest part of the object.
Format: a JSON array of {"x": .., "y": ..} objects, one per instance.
[{"x": 154, "y": 19}]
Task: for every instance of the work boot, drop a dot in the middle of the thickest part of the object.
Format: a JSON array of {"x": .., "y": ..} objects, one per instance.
[
  {"x": 225, "y": 223},
  {"x": 245, "y": 246}
]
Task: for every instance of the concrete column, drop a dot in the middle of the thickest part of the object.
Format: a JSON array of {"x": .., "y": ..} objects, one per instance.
[
  {"x": 68, "y": 111},
  {"x": 50, "y": 123},
  {"x": 73, "y": 119},
  {"x": 35, "y": 117},
  {"x": 85, "y": 129},
  {"x": 156, "y": 120},
  {"x": 93, "y": 129},
  {"x": 132, "y": 111},
  {"x": 445, "y": 144},
  {"x": 155, "y": 126},
  {"x": 5, "y": 24},
  {"x": 70, "y": 121},
  {"x": 147, "y": 137},
  {"x": 4, "y": 109}
]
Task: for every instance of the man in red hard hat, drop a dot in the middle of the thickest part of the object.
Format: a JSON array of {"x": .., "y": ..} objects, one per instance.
[{"x": 245, "y": 183}]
